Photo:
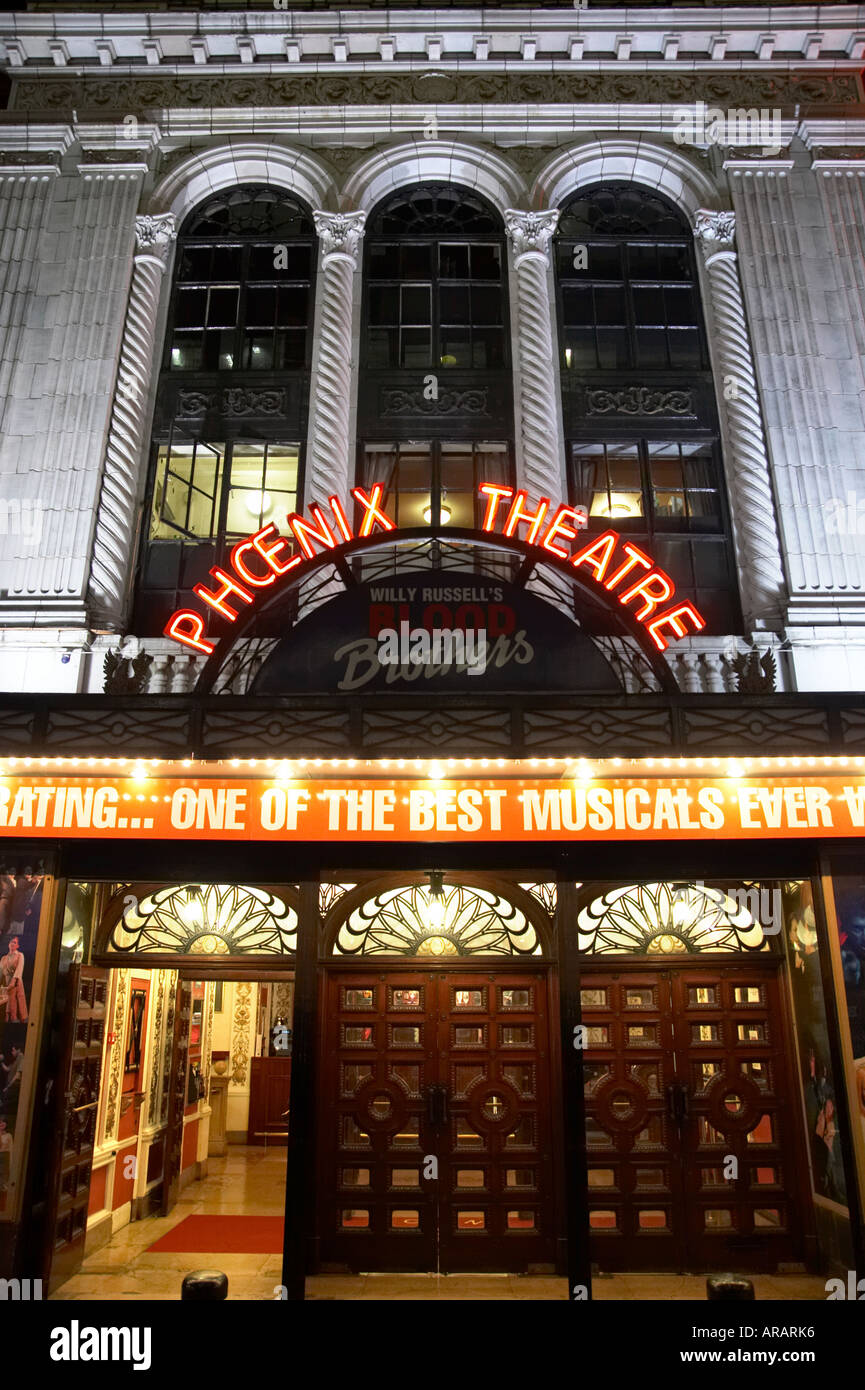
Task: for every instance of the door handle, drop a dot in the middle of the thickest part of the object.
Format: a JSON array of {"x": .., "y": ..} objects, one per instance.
[
  {"x": 437, "y": 1106},
  {"x": 678, "y": 1103}
]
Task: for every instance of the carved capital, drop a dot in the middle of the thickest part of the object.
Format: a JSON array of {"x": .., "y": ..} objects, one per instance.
[
  {"x": 715, "y": 231},
  {"x": 154, "y": 235},
  {"x": 531, "y": 231},
  {"x": 340, "y": 233}
]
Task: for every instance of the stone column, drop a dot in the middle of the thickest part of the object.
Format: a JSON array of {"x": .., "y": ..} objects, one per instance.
[
  {"x": 329, "y": 452},
  {"x": 121, "y": 475},
  {"x": 543, "y": 471},
  {"x": 752, "y": 504}
]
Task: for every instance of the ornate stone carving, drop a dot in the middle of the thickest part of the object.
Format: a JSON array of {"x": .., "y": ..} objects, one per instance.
[
  {"x": 154, "y": 235},
  {"x": 330, "y": 469},
  {"x": 237, "y": 401},
  {"x": 140, "y": 92},
  {"x": 750, "y": 488},
  {"x": 531, "y": 234},
  {"x": 398, "y": 401},
  {"x": 638, "y": 400},
  {"x": 715, "y": 228},
  {"x": 340, "y": 233},
  {"x": 115, "y": 521},
  {"x": 191, "y": 404},
  {"x": 240, "y": 1030},
  {"x": 242, "y": 400}
]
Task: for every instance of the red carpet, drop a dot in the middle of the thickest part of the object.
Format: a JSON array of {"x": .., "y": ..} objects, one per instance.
[{"x": 223, "y": 1235}]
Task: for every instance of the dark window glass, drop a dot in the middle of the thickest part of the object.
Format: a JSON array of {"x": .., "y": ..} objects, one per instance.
[
  {"x": 241, "y": 309},
  {"x": 631, "y": 330},
  {"x": 434, "y": 259}
]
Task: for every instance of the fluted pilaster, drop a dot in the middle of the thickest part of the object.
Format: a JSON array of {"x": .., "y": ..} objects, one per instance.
[
  {"x": 329, "y": 452},
  {"x": 749, "y": 484},
  {"x": 115, "y": 522},
  {"x": 543, "y": 466}
]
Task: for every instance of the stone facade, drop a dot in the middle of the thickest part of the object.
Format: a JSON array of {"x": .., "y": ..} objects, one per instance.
[{"x": 119, "y": 125}]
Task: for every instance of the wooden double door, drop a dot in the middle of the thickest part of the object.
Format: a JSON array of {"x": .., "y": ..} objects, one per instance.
[
  {"x": 690, "y": 1121},
  {"x": 435, "y": 1143}
]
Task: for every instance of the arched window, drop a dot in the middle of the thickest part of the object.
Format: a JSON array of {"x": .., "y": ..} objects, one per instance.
[
  {"x": 231, "y": 407},
  {"x": 435, "y": 404},
  {"x": 641, "y": 420}
]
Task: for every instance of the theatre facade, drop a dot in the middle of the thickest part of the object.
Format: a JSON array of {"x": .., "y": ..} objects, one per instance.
[{"x": 431, "y": 620}]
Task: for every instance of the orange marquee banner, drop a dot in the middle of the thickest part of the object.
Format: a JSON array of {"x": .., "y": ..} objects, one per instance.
[{"x": 459, "y": 809}]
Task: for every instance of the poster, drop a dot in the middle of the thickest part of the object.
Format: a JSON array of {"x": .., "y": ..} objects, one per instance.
[
  {"x": 819, "y": 1085},
  {"x": 21, "y": 886}
]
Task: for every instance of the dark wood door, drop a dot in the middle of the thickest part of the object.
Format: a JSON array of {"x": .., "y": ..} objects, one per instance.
[
  {"x": 496, "y": 1207},
  {"x": 435, "y": 1144},
  {"x": 269, "y": 1095},
  {"x": 81, "y": 1105},
  {"x": 689, "y": 1128},
  {"x": 176, "y": 1095}
]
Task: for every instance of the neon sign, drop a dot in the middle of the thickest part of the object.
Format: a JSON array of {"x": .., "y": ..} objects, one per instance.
[{"x": 262, "y": 559}]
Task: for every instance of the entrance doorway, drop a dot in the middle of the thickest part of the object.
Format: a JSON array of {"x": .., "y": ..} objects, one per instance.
[
  {"x": 690, "y": 1130},
  {"x": 435, "y": 1136}
]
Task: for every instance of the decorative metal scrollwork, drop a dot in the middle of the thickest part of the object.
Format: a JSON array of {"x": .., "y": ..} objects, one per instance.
[
  {"x": 207, "y": 919},
  {"x": 473, "y": 922},
  {"x": 672, "y": 919}
]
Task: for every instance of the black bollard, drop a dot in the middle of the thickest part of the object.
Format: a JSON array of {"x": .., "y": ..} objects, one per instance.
[
  {"x": 204, "y": 1286},
  {"x": 729, "y": 1288}
]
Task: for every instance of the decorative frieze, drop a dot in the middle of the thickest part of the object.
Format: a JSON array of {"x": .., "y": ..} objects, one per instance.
[
  {"x": 638, "y": 400},
  {"x": 235, "y": 401},
  {"x": 397, "y": 402},
  {"x": 131, "y": 93}
]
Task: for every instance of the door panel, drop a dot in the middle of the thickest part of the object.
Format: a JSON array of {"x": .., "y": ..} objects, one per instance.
[
  {"x": 434, "y": 1139},
  {"x": 177, "y": 1095},
  {"x": 79, "y": 1122},
  {"x": 634, "y": 1174},
  {"x": 739, "y": 1187},
  {"x": 378, "y": 1068},
  {"x": 495, "y": 1151},
  {"x": 686, "y": 1121}
]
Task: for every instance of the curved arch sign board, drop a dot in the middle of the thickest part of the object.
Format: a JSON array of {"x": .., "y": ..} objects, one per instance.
[{"x": 611, "y": 566}]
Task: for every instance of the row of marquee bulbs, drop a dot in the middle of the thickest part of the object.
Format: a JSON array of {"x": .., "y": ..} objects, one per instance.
[{"x": 440, "y": 769}]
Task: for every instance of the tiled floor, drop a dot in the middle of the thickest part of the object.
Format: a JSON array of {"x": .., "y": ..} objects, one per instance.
[{"x": 252, "y": 1181}]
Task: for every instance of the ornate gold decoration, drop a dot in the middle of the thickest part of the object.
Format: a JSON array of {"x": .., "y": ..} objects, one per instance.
[
  {"x": 118, "y": 1027},
  {"x": 157, "y": 1035},
  {"x": 671, "y": 919},
  {"x": 206, "y": 919},
  {"x": 476, "y": 922},
  {"x": 240, "y": 1027}
]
